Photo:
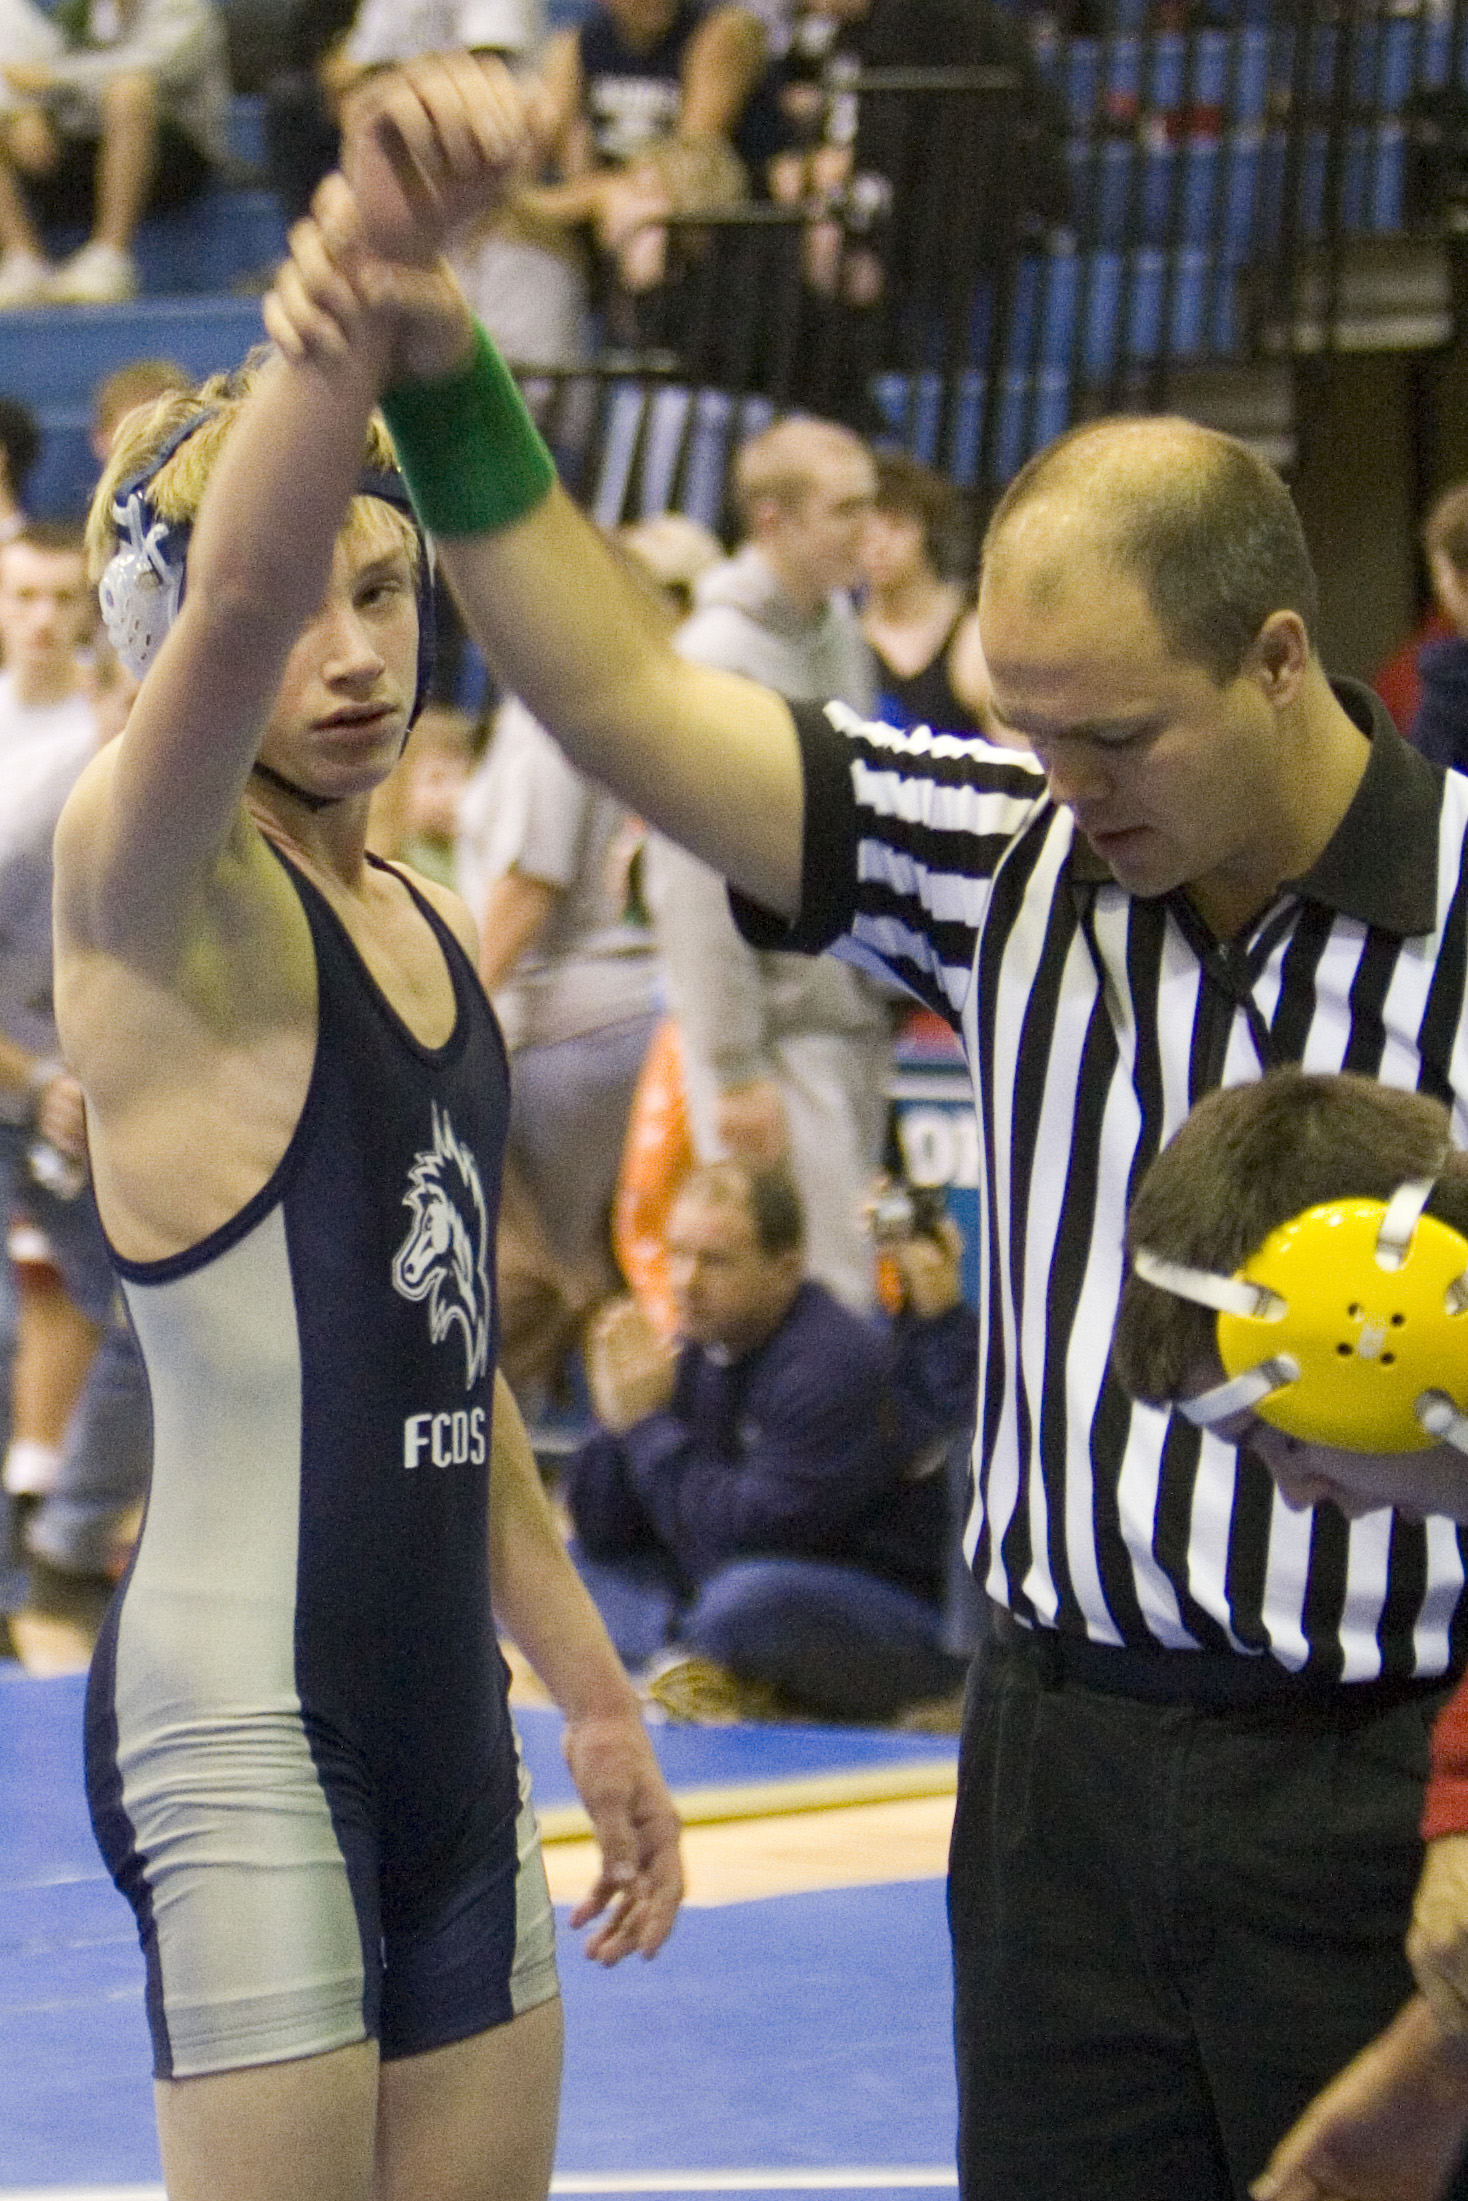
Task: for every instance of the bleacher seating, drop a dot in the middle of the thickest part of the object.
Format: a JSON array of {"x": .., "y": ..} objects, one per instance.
[
  {"x": 54, "y": 358},
  {"x": 1242, "y": 192}
]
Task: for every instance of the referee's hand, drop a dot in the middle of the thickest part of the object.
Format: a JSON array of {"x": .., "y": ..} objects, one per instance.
[
  {"x": 1437, "y": 1942},
  {"x": 1390, "y": 2128}
]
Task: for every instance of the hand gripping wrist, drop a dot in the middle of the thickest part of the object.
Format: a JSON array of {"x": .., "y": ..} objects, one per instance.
[{"x": 472, "y": 456}]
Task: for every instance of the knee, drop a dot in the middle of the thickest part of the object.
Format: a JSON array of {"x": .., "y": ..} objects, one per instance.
[
  {"x": 743, "y": 1612},
  {"x": 29, "y": 143}
]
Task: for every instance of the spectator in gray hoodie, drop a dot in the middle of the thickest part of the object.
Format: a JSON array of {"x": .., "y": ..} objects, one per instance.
[{"x": 785, "y": 1058}]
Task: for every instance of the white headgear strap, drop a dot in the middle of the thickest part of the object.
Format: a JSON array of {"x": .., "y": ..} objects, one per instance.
[
  {"x": 142, "y": 588},
  {"x": 1239, "y": 1393},
  {"x": 1403, "y": 1213},
  {"x": 1441, "y": 1419},
  {"x": 1225, "y": 1294}
]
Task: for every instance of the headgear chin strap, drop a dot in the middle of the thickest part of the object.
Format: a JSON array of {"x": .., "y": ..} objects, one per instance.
[
  {"x": 1345, "y": 1327},
  {"x": 143, "y": 586}
]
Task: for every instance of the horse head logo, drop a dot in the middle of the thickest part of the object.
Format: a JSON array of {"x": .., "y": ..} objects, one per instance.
[{"x": 445, "y": 1256}]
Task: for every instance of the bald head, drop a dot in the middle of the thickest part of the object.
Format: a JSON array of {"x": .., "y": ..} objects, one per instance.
[
  {"x": 1206, "y": 529},
  {"x": 804, "y": 489},
  {"x": 787, "y": 462}
]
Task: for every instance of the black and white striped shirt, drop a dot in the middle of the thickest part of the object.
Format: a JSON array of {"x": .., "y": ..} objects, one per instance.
[{"x": 1091, "y": 1022}]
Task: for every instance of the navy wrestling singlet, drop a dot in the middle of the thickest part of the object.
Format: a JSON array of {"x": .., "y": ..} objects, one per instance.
[{"x": 300, "y": 1760}]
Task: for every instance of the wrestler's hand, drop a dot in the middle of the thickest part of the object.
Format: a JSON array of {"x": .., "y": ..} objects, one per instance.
[
  {"x": 1437, "y": 1942},
  {"x": 1391, "y": 2127},
  {"x": 335, "y": 292},
  {"x": 640, "y": 1884},
  {"x": 428, "y": 146}
]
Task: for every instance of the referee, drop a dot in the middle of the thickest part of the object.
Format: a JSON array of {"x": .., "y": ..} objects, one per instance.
[
  {"x": 1186, "y": 1837},
  {"x": 1192, "y": 1765}
]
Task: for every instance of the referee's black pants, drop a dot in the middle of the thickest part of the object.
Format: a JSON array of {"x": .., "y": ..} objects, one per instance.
[{"x": 1172, "y": 1924}]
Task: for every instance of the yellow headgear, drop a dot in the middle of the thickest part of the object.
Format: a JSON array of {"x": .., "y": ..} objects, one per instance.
[{"x": 1344, "y": 1328}]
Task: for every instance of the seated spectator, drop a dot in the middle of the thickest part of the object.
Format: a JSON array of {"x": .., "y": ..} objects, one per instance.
[
  {"x": 112, "y": 110},
  {"x": 651, "y": 108},
  {"x": 927, "y": 194},
  {"x": 768, "y": 1498},
  {"x": 523, "y": 275},
  {"x": 920, "y": 625},
  {"x": 298, "y": 100},
  {"x": 1439, "y": 727},
  {"x": 324, "y": 47}
]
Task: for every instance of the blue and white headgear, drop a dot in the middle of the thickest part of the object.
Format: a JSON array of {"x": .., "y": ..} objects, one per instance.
[{"x": 143, "y": 586}]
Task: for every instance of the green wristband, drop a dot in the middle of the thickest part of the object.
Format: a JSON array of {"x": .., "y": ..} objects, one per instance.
[{"x": 471, "y": 455}]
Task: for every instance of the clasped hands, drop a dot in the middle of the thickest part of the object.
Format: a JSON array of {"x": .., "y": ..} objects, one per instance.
[{"x": 426, "y": 148}]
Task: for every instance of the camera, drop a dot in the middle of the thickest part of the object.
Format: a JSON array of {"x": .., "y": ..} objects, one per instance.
[{"x": 902, "y": 1210}]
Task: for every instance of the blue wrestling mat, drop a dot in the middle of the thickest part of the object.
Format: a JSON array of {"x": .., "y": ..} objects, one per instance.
[
  {"x": 748, "y": 1772},
  {"x": 798, "y": 2043}
]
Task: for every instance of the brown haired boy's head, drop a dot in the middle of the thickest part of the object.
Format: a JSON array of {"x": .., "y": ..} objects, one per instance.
[
  {"x": 176, "y": 491},
  {"x": 1247, "y": 1160}
]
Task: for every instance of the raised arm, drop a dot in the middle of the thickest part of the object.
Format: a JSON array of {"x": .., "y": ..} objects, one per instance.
[
  {"x": 709, "y": 758},
  {"x": 726, "y": 57},
  {"x": 153, "y": 815}
]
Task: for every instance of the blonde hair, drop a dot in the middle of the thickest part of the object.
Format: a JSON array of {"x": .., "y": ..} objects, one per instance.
[{"x": 176, "y": 491}]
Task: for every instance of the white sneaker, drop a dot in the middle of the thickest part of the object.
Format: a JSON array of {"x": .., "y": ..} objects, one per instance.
[
  {"x": 31, "y": 1469},
  {"x": 25, "y": 280},
  {"x": 98, "y": 275}
]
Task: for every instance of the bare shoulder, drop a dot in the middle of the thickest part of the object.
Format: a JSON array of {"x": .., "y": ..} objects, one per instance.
[
  {"x": 240, "y": 889},
  {"x": 445, "y": 904},
  {"x": 201, "y": 1043},
  {"x": 141, "y": 1008},
  {"x": 80, "y": 825}
]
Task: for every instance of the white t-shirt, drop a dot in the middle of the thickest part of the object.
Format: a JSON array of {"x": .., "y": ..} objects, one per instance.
[
  {"x": 400, "y": 30},
  {"x": 528, "y": 809},
  {"x": 43, "y": 749}
]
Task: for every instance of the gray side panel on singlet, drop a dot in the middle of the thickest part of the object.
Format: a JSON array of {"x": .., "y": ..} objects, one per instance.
[{"x": 208, "y": 1716}]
